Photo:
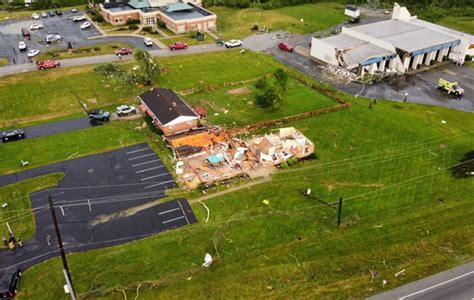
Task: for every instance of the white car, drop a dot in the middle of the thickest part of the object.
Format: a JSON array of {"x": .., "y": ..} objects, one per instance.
[
  {"x": 22, "y": 46},
  {"x": 123, "y": 110},
  {"x": 35, "y": 26},
  {"x": 33, "y": 53},
  {"x": 148, "y": 42},
  {"x": 78, "y": 18},
  {"x": 85, "y": 25},
  {"x": 52, "y": 38},
  {"x": 233, "y": 43},
  {"x": 44, "y": 14},
  {"x": 35, "y": 16}
]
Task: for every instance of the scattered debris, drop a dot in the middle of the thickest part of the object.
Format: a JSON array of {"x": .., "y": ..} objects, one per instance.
[
  {"x": 402, "y": 272},
  {"x": 207, "y": 209},
  {"x": 207, "y": 260},
  {"x": 266, "y": 202}
]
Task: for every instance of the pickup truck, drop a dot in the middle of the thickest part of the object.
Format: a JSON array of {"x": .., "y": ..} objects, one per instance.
[
  {"x": 99, "y": 115},
  {"x": 47, "y": 64}
]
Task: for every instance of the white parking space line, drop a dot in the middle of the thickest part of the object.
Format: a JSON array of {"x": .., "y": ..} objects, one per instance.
[
  {"x": 159, "y": 175},
  {"x": 141, "y": 156},
  {"x": 149, "y": 169},
  {"x": 144, "y": 163},
  {"x": 175, "y": 219},
  {"x": 164, "y": 182},
  {"x": 184, "y": 214},
  {"x": 168, "y": 211},
  {"x": 135, "y": 151}
]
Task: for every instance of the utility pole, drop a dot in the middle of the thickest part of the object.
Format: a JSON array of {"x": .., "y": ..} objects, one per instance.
[
  {"x": 66, "y": 272},
  {"x": 339, "y": 212}
]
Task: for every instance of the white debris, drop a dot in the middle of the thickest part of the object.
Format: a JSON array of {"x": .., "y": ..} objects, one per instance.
[
  {"x": 443, "y": 121},
  {"x": 207, "y": 260}
]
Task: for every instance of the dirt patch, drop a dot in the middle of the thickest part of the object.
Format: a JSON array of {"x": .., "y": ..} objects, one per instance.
[
  {"x": 240, "y": 91},
  {"x": 332, "y": 185}
]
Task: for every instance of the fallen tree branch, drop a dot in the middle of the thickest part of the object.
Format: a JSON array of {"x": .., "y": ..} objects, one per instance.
[
  {"x": 124, "y": 294},
  {"x": 297, "y": 262},
  {"x": 138, "y": 287},
  {"x": 207, "y": 209}
]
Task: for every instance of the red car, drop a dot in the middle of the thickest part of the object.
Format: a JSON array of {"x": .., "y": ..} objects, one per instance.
[
  {"x": 124, "y": 51},
  {"x": 47, "y": 64},
  {"x": 285, "y": 47},
  {"x": 178, "y": 46}
]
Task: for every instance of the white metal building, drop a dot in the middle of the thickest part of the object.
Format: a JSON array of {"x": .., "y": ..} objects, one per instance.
[{"x": 398, "y": 44}]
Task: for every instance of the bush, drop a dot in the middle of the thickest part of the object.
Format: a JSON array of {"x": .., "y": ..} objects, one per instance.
[
  {"x": 254, "y": 27},
  {"x": 147, "y": 29},
  {"x": 292, "y": 161},
  {"x": 133, "y": 27},
  {"x": 98, "y": 18},
  {"x": 132, "y": 22},
  {"x": 160, "y": 24},
  {"x": 284, "y": 165}
]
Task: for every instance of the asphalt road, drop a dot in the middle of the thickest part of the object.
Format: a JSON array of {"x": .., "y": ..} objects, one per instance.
[
  {"x": 453, "y": 284},
  {"x": 94, "y": 186}
]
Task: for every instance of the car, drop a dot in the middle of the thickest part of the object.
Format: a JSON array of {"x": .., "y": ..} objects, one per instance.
[
  {"x": 26, "y": 34},
  {"x": 148, "y": 42},
  {"x": 35, "y": 26},
  {"x": 73, "y": 10},
  {"x": 51, "y": 13},
  {"x": 35, "y": 16},
  {"x": 15, "y": 282},
  {"x": 44, "y": 14},
  {"x": 78, "y": 18},
  {"x": 47, "y": 64},
  {"x": 99, "y": 115},
  {"x": 85, "y": 25},
  {"x": 6, "y": 294},
  {"x": 233, "y": 43},
  {"x": 124, "y": 51},
  {"x": 285, "y": 47},
  {"x": 22, "y": 46},
  {"x": 58, "y": 12},
  {"x": 33, "y": 52},
  {"x": 178, "y": 46},
  {"x": 123, "y": 110},
  {"x": 13, "y": 135},
  {"x": 52, "y": 38}
]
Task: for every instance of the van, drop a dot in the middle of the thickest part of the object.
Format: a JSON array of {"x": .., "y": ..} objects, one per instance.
[{"x": 25, "y": 33}]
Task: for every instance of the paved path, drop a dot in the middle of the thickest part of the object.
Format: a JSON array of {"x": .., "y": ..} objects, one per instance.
[{"x": 453, "y": 284}]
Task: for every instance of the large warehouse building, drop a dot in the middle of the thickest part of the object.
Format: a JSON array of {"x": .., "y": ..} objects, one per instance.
[{"x": 398, "y": 44}]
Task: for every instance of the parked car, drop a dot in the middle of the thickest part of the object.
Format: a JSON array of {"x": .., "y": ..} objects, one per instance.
[
  {"x": 124, "y": 51},
  {"x": 47, "y": 64},
  {"x": 33, "y": 52},
  {"x": 51, "y": 13},
  {"x": 85, "y": 25},
  {"x": 52, "y": 38},
  {"x": 58, "y": 12},
  {"x": 35, "y": 16},
  {"x": 233, "y": 43},
  {"x": 123, "y": 110},
  {"x": 15, "y": 282},
  {"x": 78, "y": 18},
  {"x": 25, "y": 33},
  {"x": 98, "y": 115},
  {"x": 6, "y": 294},
  {"x": 22, "y": 46},
  {"x": 73, "y": 10},
  {"x": 285, "y": 47},
  {"x": 148, "y": 42},
  {"x": 35, "y": 26},
  {"x": 178, "y": 46},
  {"x": 44, "y": 14},
  {"x": 13, "y": 135}
]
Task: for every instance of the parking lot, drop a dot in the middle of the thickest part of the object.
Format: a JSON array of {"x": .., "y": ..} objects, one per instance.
[
  {"x": 93, "y": 187},
  {"x": 70, "y": 31}
]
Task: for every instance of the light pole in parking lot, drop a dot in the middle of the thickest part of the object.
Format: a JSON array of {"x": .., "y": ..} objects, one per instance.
[{"x": 67, "y": 274}]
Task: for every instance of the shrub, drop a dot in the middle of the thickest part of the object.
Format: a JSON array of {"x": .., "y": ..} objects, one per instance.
[
  {"x": 284, "y": 165},
  {"x": 147, "y": 29},
  {"x": 160, "y": 24},
  {"x": 292, "y": 161},
  {"x": 132, "y": 22},
  {"x": 254, "y": 27},
  {"x": 133, "y": 27}
]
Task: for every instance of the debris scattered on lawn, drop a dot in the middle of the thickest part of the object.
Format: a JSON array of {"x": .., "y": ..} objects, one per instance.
[
  {"x": 373, "y": 274},
  {"x": 24, "y": 163},
  {"x": 297, "y": 262},
  {"x": 207, "y": 209},
  {"x": 378, "y": 226},
  {"x": 72, "y": 155},
  {"x": 266, "y": 202},
  {"x": 443, "y": 121},
  {"x": 216, "y": 114},
  {"x": 402, "y": 272},
  {"x": 207, "y": 260},
  {"x": 4, "y": 205}
]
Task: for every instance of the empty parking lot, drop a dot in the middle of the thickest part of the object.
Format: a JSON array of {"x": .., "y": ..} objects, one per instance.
[{"x": 95, "y": 186}]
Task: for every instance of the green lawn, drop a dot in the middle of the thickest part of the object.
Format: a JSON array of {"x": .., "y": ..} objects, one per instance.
[
  {"x": 5, "y": 15},
  {"x": 55, "y": 53},
  {"x": 237, "y": 23},
  {"x": 239, "y": 109},
  {"x": 402, "y": 210},
  {"x": 18, "y": 213},
  {"x": 3, "y": 61},
  {"x": 187, "y": 39}
]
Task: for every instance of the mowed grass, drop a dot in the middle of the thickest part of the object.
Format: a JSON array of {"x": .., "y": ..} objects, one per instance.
[
  {"x": 187, "y": 39},
  {"x": 18, "y": 213},
  {"x": 463, "y": 24},
  {"x": 402, "y": 210},
  {"x": 3, "y": 61},
  {"x": 26, "y": 13},
  {"x": 237, "y": 23},
  {"x": 101, "y": 49},
  {"x": 234, "y": 106}
]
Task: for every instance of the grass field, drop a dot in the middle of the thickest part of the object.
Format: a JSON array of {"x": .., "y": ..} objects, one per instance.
[
  {"x": 108, "y": 48},
  {"x": 237, "y": 110},
  {"x": 3, "y": 61},
  {"x": 18, "y": 213},
  {"x": 237, "y": 23},
  {"x": 402, "y": 210},
  {"x": 187, "y": 39},
  {"x": 5, "y": 15}
]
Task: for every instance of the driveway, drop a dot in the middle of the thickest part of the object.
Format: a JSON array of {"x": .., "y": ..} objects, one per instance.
[
  {"x": 94, "y": 186},
  {"x": 10, "y": 35}
]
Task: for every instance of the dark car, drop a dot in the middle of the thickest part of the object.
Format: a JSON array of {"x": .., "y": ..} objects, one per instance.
[
  {"x": 6, "y": 295},
  {"x": 58, "y": 12},
  {"x": 51, "y": 13},
  {"x": 98, "y": 115},
  {"x": 13, "y": 135},
  {"x": 15, "y": 282}
]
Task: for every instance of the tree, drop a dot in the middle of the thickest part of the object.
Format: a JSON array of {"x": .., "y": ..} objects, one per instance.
[
  {"x": 148, "y": 67},
  {"x": 282, "y": 79},
  {"x": 268, "y": 98}
]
